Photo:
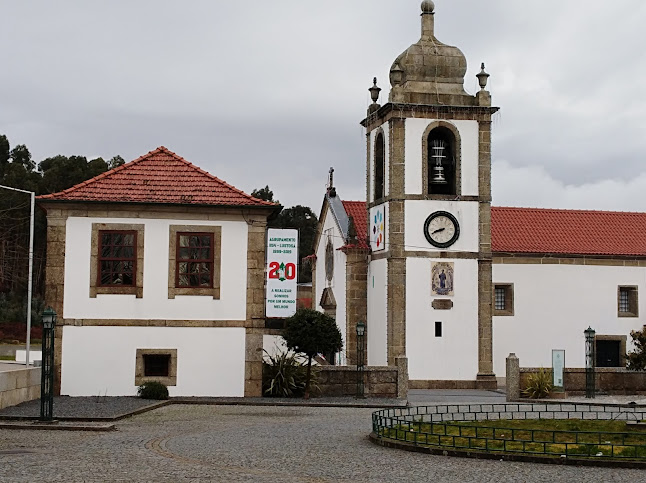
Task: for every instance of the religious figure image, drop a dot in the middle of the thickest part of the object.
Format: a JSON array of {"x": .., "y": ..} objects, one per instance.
[{"x": 442, "y": 278}]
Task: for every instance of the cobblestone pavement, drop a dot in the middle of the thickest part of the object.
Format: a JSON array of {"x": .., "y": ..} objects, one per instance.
[{"x": 262, "y": 444}]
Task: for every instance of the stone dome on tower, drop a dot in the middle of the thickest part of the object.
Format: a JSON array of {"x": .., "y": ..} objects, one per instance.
[{"x": 429, "y": 72}]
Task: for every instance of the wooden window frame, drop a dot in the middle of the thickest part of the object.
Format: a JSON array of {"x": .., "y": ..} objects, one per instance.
[
  {"x": 633, "y": 300},
  {"x": 101, "y": 258},
  {"x": 509, "y": 300},
  {"x": 140, "y": 377},
  {"x": 96, "y": 288},
  {"x": 173, "y": 288},
  {"x": 179, "y": 260}
]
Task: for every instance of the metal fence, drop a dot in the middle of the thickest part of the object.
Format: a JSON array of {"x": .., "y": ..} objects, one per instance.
[{"x": 457, "y": 427}]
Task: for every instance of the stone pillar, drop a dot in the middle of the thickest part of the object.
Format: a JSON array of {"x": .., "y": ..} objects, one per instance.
[
  {"x": 253, "y": 363},
  {"x": 356, "y": 280},
  {"x": 402, "y": 377},
  {"x": 513, "y": 378},
  {"x": 256, "y": 272}
]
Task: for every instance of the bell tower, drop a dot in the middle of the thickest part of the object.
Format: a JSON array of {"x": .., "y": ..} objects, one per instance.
[{"x": 429, "y": 206}]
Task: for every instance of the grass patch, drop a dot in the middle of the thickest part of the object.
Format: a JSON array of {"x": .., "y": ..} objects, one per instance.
[
  {"x": 7, "y": 358},
  {"x": 582, "y": 438}
]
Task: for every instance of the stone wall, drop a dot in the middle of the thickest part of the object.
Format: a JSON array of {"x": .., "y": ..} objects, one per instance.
[
  {"x": 609, "y": 380},
  {"x": 379, "y": 381},
  {"x": 18, "y": 385}
]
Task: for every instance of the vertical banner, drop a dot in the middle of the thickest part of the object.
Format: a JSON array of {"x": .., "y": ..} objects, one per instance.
[{"x": 282, "y": 272}]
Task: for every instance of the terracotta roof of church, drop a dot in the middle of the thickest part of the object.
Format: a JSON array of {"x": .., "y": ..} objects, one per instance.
[
  {"x": 357, "y": 210},
  {"x": 579, "y": 232},
  {"x": 160, "y": 176}
]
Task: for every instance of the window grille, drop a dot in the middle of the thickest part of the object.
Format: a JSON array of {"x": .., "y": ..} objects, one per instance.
[{"x": 500, "y": 302}]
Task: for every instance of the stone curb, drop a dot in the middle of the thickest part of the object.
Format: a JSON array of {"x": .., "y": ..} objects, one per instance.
[
  {"x": 567, "y": 401},
  {"x": 608, "y": 463},
  {"x": 36, "y": 425},
  {"x": 206, "y": 402}
]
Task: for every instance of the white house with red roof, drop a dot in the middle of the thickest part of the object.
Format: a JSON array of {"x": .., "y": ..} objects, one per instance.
[
  {"x": 444, "y": 279},
  {"x": 156, "y": 272}
]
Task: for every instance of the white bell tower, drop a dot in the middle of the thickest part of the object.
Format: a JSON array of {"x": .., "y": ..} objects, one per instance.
[{"x": 429, "y": 203}]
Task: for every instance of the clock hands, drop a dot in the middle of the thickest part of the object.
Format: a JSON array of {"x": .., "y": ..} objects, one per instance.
[{"x": 438, "y": 230}]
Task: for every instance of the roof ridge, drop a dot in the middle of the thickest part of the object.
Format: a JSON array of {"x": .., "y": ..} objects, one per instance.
[{"x": 566, "y": 210}]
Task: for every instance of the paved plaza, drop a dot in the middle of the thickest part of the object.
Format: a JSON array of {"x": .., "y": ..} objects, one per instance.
[{"x": 246, "y": 443}]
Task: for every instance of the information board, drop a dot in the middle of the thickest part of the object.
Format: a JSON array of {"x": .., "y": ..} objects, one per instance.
[
  {"x": 558, "y": 365},
  {"x": 282, "y": 272}
]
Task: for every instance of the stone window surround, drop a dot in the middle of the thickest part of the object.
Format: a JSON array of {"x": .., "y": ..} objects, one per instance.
[
  {"x": 458, "y": 159},
  {"x": 509, "y": 299},
  {"x": 170, "y": 380},
  {"x": 633, "y": 300},
  {"x": 622, "y": 346},
  {"x": 174, "y": 230},
  {"x": 378, "y": 131},
  {"x": 138, "y": 288}
]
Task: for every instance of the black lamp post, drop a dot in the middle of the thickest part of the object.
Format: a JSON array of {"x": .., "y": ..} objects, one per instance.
[
  {"x": 361, "y": 332},
  {"x": 47, "y": 369},
  {"x": 589, "y": 362}
]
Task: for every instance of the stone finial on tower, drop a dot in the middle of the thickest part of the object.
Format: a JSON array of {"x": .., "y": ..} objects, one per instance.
[
  {"x": 428, "y": 19},
  {"x": 331, "y": 190},
  {"x": 374, "y": 95},
  {"x": 483, "y": 96}
]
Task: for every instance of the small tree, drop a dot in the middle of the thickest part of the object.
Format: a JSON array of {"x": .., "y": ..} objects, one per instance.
[
  {"x": 311, "y": 332},
  {"x": 637, "y": 358}
]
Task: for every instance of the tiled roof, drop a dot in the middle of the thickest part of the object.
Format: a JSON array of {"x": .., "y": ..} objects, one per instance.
[
  {"x": 357, "y": 210},
  {"x": 160, "y": 176},
  {"x": 533, "y": 230}
]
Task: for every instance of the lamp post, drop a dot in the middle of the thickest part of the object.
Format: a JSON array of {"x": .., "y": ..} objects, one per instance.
[
  {"x": 589, "y": 362},
  {"x": 31, "y": 265},
  {"x": 47, "y": 369},
  {"x": 361, "y": 332}
]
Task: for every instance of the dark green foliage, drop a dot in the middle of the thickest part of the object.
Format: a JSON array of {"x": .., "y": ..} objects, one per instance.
[
  {"x": 153, "y": 390},
  {"x": 311, "y": 332},
  {"x": 539, "y": 384},
  {"x": 285, "y": 375},
  {"x": 637, "y": 358},
  {"x": 264, "y": 194}
]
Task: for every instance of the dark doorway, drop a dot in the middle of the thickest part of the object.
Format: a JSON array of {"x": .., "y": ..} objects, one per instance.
[{"x": 608, "y": 353}]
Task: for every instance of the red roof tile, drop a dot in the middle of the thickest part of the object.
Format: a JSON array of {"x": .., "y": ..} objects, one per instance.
[
  {"x": 533, "y": 230},
  {"x": 160, "y": 176},
  {"x": 357, "y": 210}
]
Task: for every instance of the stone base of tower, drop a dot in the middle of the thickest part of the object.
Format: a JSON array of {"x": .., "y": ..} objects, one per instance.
[{"x": 486, "y": 383}]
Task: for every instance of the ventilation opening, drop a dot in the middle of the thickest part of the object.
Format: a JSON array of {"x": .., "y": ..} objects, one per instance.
[{"x": 156, "y": 365}]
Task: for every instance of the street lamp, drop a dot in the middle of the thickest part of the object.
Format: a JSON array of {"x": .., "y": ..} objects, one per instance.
[
  {"x": 47, "y": 369},
  {"x": 361, "y": 332},
  {"x": 589, "y": 362},
  {"x": 31, "y": 266}
]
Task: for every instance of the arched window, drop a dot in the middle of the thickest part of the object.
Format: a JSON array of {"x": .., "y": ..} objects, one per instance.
[
  {"x": 380, "y": 162},
  {"x": 441, "y": 167}
]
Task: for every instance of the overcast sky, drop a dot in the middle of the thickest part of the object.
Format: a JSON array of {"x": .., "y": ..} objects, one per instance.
[{"x": 272, "y": 92}]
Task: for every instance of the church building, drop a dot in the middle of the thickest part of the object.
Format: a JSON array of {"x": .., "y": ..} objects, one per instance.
[{"x": 439, "y": 275}]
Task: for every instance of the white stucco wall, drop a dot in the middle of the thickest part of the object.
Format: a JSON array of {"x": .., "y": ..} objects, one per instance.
[
  {"x": 416, "y": 212},
  {"x": 377, "y": 310},
  {"x": 155, "y": 303},
  {"x": 454, "y": 356},
  {"x": 554, "y": 304},
  {"x": 371, "y": 155},
  {"x": 101, "y": 360},
  {"x": 413, "y": 145},
  {"x": 338, "y": 281}
]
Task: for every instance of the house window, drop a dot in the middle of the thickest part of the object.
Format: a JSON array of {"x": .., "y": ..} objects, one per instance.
[
  {"x": 194, "y": 260},
  {"x": 380, "y": 162},
  {"x": 627, "y": 301},
  {"x": 117, "y": 258},
  {"x": 503, "y": 299},
  {"x": 156, "y": 365}
]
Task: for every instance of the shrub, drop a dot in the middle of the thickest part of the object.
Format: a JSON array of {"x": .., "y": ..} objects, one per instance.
[
  {"x": 539, "y": 384},
  {"x": 153, "y": 390},
  {"x": 637, "y": 358},
  {"x": 311, "y": 332},
  {"x": 285, "y": 375}
]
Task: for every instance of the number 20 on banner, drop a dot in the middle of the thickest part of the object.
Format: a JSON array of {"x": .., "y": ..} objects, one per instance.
[{"x": 282, "y": 271}]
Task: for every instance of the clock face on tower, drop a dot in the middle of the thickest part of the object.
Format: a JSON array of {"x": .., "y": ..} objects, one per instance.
[{"x": 441, "y": 229}]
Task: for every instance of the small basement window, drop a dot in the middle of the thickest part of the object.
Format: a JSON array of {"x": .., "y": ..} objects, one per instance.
[
  {"x": 156, "y": 365},
  {"x": 627, "y": 301},
  {"x": 503, "y": 303}
]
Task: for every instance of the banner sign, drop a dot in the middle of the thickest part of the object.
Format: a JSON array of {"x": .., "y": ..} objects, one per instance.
[{"x": 282, "y": 271}]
